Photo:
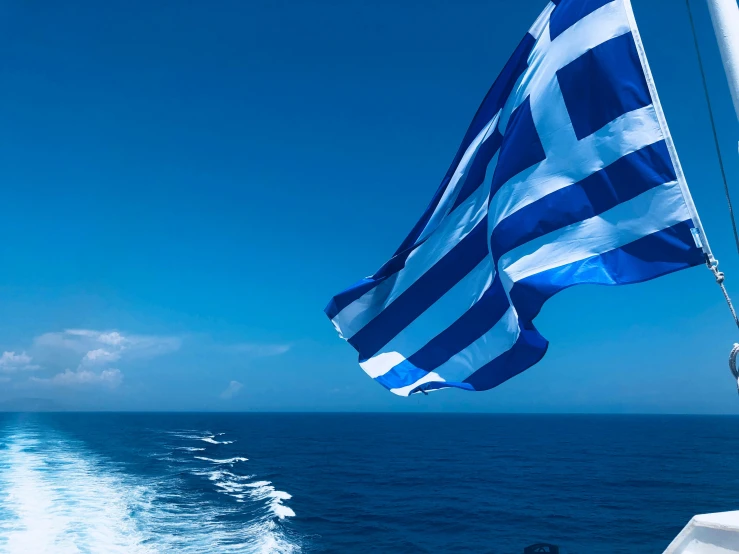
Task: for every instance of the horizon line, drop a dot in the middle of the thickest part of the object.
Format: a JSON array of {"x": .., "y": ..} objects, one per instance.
[{"x": 339, "y": 412}]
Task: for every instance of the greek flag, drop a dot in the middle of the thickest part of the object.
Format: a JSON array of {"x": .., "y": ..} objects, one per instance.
[{"x": 567, "y": 175}]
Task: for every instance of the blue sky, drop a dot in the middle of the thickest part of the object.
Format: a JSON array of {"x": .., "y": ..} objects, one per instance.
[{"x": 186, "y": 186}]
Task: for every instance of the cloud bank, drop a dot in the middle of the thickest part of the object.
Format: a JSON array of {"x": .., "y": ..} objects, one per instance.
[
  {"x": 10, "y": 362},
  {"x": 96, "y": 350},
  {"x": 110, "y": 378}
]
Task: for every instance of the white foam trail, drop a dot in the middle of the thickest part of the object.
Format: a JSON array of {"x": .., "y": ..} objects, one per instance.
[
  {"x": 211, "y": 440},
  {"x": 58, "y": 497},
  {"x": 217, "y": 474},
  {"x": 38, "y": 491},
  {"x": 188, "y": 434},
  {"x": 225, "y": 461},
  {"x": 195, "y": 435}
]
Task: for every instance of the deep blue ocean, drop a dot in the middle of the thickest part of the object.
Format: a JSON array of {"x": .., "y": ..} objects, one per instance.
[{"x": 288, "y": 483}]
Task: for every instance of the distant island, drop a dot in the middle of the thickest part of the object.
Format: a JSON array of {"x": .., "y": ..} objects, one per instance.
[{"x": 31, "y": 405}]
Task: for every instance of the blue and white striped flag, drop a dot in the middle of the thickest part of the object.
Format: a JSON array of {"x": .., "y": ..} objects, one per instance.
[{"x": 567, "y": 175}]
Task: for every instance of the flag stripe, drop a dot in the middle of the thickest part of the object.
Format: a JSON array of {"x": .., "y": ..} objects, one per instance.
[
  {"x": 623, "y": 180},
  {"x": 571, "y": 13},
  {"x": 494, "y": 99},
  {"x": 492, "y": 103},
  {"x": 431, "y": 286},
  {"x": 401, "y": 375},
  {"x": 439, "y": 316},
  {"x": 382, "y": 363},
  {"x": 471, "y": 169},
  {"x": 428, "y": 378},
  {"x": 663, "y": 252},
  {"x": 652, "y": 211},
  {"x": 528, "y": 349},
  {"x": 479, "y": 166},
  {"x": 479, "y": 319},
  {"x": 454, "y": 229},
  {"x": 494, "y": 343},
  {"x": 542, "y": 21}
]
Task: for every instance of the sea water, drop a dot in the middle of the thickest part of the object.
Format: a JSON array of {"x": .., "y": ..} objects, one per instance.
[{"x": 289, "y": 483}]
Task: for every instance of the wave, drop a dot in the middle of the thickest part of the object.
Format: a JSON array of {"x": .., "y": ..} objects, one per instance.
[
  {"x": 233, "y": 485},
  {"x": 265, "y": 490},
  {"x": 239, "y": 488}
]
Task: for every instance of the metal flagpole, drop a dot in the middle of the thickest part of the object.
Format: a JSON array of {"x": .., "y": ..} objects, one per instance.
[{"x": 725, "y": 17}]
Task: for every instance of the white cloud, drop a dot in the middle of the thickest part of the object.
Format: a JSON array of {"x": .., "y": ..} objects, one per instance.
[
  {"x": 68, "y": 340},
  {"x": 11, "y": 358},
  {"x": 100, "y": 356},
  {"x": 113, "y": 338},
  {"x": 108, "y": 346},
  {"x": 105, "y": 337},
  {"x": 259, "y": 350},
  {"x": 232, "y": 390},
  {"x": 110, "y": 378},
  {"x": 94, "y": 351},
  {"x": 10, "y": 361}
]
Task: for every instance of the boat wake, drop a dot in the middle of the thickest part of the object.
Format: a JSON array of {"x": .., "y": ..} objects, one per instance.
[{"x": 57, "y": 495}]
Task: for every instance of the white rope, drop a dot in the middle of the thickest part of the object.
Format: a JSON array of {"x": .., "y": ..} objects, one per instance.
[{"x": 713, "y": 266}]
